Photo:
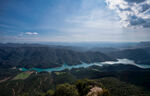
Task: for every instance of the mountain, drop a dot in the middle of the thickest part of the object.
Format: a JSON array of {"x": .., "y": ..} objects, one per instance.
[
  {"x": 108, "y": 80},
  {"x": 143, "y": 44},
  {"x": 42, "y": 56},
  {"x": 139, "y": 55},
  {"x": 104, "y": 50}
]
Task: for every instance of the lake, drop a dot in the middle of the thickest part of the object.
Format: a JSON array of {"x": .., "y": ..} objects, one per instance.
[{"x": 85, "y": 65}]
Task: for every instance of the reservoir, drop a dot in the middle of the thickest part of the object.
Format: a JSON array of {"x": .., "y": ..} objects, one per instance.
[{"x": 85, "y": 65}]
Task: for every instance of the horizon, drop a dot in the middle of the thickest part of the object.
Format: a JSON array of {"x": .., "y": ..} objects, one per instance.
[{"x": 69, "y": 42}]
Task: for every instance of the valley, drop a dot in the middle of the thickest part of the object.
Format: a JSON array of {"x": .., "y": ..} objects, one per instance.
[{"x": 45, "y": 70}]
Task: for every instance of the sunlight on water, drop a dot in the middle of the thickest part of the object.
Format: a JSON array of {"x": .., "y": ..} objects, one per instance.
[{"x": 123, "y": 61}]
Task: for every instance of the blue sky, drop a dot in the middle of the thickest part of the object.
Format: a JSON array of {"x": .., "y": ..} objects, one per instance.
[{"x": 74, "y": 20}]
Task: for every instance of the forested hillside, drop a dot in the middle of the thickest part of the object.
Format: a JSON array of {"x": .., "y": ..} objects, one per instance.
[
  {"x": 139, "y": 55},
  {"x": 45, "y": 57},
  {"x": 127, "y": 81}
]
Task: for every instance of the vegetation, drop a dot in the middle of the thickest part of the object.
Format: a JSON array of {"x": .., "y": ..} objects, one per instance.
[
  {"x": 22, "y": 75},
  {"x": 107, "y": 80},
  {"x": 123, "y": 82},
  {"x": 5, "y": 73},
  {"x": 66, "y": 90},
  {"x": 45, "y": 56},
  {"x": 80, "y": 88},
  {"x": 84, "y": 86},
  {"x": 139, "y": 55}
]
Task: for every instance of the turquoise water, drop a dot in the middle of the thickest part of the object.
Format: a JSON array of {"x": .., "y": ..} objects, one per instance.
[
  {"x": 63, "y": 67},
  {"x": 85, "y": 65}
]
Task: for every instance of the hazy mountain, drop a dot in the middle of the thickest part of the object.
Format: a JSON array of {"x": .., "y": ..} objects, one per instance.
[
  {"x": 43, "y": 56},
  {"x": 139, "y": 55}
]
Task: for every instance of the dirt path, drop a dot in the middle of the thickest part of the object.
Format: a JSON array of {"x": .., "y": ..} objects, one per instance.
[{"x": 5, "y": 79}]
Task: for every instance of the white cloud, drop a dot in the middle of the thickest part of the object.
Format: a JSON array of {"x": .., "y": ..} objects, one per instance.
[
  {"x": 31, "y": 33},
  {"x": 24, "y": 34},
  {"x": 133, "y": 13}
]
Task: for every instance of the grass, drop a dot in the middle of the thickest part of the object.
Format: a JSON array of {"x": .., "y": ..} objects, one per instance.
[
  {"x": 22, "y": 75},
  {"x": 59, "y": 73}
]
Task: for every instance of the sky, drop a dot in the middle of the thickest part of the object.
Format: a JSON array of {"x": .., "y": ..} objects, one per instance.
[{"x": 74, "y": 20}]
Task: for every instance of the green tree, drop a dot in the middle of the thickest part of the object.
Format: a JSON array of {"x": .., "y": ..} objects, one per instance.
[
  {"x": 66, "y": 90},
  {"x": 85, "y": 85},
  {"x": 50, "y": 93}
]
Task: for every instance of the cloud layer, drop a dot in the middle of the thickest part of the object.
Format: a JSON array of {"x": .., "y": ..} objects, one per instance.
[
  {"x": 31, "y": 33},
  {"x": 132, "y": 13}
]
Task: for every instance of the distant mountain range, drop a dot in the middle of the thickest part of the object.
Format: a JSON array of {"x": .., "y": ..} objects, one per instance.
[
  {"x": 47, "y": 56},
  {"x": 139, "y": 55},
  {"x": 42, "y": 56}
]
